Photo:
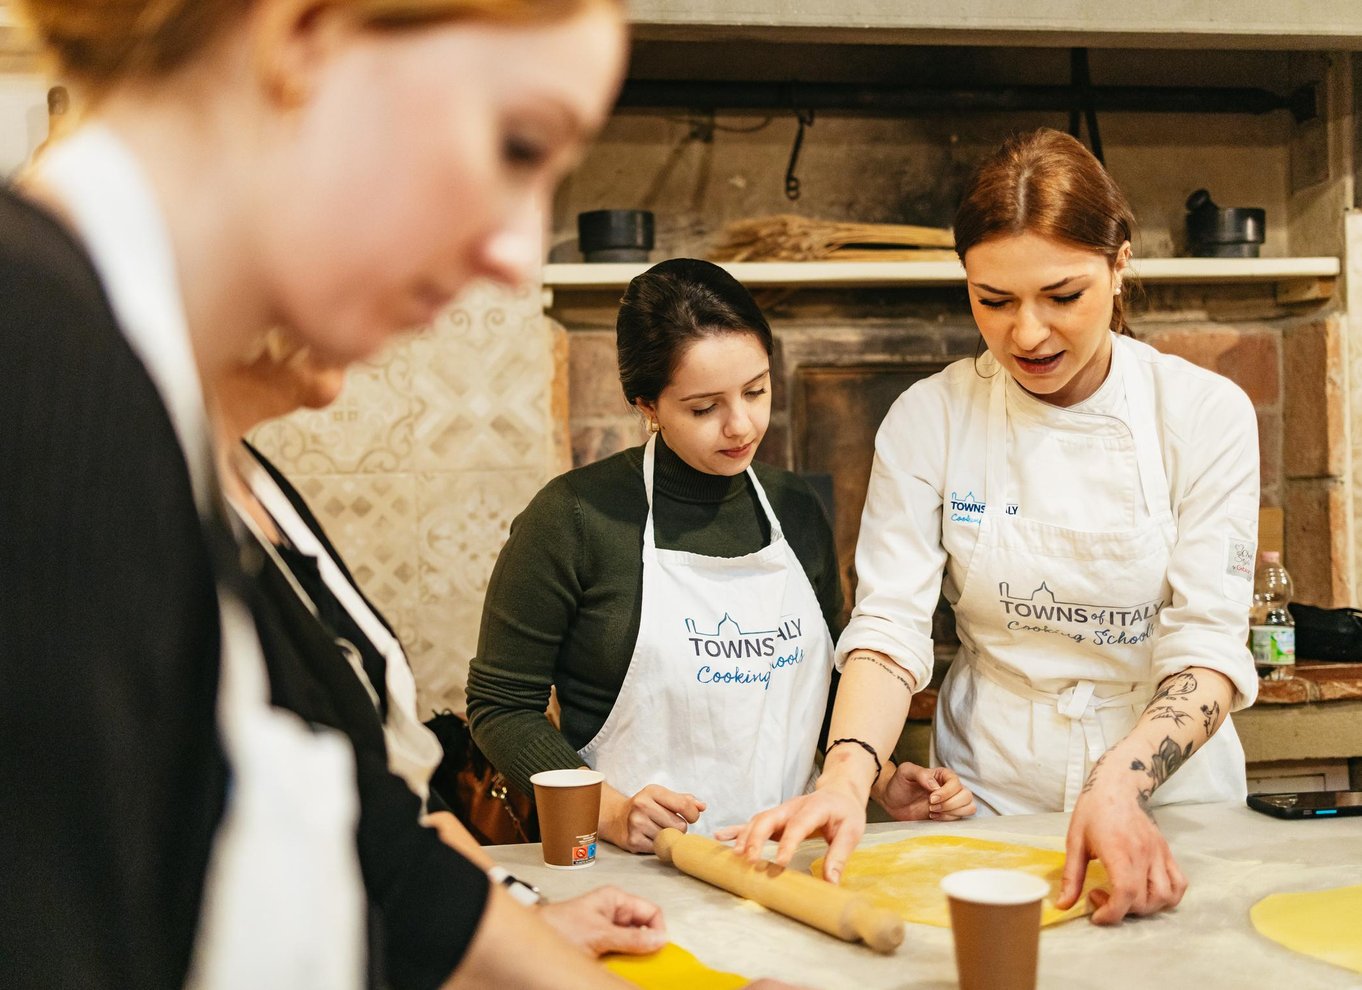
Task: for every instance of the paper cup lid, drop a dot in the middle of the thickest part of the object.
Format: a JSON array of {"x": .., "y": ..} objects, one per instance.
[
  {"x": 994, "y": 886},
  {"x": 567, "y": 778}
]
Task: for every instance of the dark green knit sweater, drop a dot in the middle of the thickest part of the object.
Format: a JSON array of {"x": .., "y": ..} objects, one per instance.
[{"x": 564, "y": 600}]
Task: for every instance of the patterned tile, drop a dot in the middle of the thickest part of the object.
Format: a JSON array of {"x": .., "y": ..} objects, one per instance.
[
  {"x": 369, "y": 428},
  {"x": 446, "y": 636},
  {"x": 481, "y": 387},
  {"x": 372, "y": 519},
  {"x": 463, "y": 522}
]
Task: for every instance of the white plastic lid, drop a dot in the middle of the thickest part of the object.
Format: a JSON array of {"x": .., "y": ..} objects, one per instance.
[
  {"x": 567, "y": 778},
  {"x": 994, "y": 886}
]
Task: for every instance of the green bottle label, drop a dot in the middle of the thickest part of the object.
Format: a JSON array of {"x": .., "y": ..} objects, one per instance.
[{"x": 1273, "y": 645}]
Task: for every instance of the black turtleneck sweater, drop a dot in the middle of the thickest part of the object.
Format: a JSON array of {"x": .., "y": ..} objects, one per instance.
[{"x": 563, "y": 605}]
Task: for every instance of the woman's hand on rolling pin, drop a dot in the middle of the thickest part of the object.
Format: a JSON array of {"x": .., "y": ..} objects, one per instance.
[
  {"x": 1111, "y": 824},
  {"x": 914, "y": 794},
  {"x": 833, "y": 811},
  {"x": 608, "y": 920},
  {"x": 633, "y": 822}
]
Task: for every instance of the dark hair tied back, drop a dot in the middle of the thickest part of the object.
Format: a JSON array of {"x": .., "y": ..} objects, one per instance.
[{"x": 668, "y": 308}]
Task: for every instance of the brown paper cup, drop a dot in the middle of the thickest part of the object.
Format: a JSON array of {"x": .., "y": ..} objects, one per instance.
[
  {"x": 569, "y": 806},
  {"x": 995, "y": 921}
]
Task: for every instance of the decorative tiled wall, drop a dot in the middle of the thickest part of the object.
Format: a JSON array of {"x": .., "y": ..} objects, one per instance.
[{"x": 418, "y": 469}]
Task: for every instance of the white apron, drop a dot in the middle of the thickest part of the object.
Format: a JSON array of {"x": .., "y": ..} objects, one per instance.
[
  {"x": 726, "y": 690},
  {"x": 413, "y": 750},
  {"x": 283, "y": 901},
  {"x": 1041, "y": 603}
]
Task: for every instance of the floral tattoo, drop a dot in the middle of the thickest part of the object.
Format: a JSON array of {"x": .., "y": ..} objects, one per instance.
[{"x": 1162, "y": 765}]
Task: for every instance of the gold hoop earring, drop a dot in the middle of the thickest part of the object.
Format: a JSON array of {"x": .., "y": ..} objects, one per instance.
[{"x": 654, "y": 426}]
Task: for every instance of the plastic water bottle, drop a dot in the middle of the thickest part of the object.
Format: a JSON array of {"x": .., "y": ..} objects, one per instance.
[{"x": 1272, "y": 631}]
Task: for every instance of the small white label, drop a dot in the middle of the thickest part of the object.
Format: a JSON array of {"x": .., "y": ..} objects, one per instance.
[
  {"x": 1239, "y": 558},
  {"x": 1237, "y": 580}
]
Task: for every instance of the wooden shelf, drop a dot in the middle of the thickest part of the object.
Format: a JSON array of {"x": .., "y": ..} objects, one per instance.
[
  {"x": 1250, "y": 24},
  {"x": 1297, "y": 279}
]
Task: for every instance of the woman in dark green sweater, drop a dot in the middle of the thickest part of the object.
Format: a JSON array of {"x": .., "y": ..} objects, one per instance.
[{"x": 679, "y": 597}]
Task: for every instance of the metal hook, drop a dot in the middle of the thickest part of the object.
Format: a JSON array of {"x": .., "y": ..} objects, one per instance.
[{"x": 805, "y": 118}]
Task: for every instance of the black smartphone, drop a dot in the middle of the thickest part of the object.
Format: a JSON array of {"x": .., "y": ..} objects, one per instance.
[{"x": 1308, "y": 804}]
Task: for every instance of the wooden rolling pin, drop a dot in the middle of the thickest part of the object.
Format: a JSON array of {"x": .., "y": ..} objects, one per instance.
[{"x": 825, "y": 906}]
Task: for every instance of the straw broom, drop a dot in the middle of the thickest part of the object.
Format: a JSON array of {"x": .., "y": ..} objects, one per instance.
[{"x": 787, "y": 237}]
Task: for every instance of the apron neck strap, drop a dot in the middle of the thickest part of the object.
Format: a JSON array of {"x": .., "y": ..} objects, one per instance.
[
  {"x": 1140, "y": 422},
  {"x": 995, "y": 464},
  {"x": 650, "y": 468},
  {"x": 1148, "y": 452},
  {"x": 292, "y": 525}
]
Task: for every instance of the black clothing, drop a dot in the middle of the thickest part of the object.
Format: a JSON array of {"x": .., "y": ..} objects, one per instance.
[{"x": 112, "y": 777}]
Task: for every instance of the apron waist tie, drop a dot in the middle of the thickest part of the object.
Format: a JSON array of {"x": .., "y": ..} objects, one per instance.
[{"x": 1078, "y": 703}]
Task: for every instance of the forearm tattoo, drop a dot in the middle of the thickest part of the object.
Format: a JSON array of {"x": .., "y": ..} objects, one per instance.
[
  {"x": 1210, "y": 717},
  {"x": 1173, "y": 702},
  {"x": 1163, "y": 763},
  {"x": 892, "y": 669},
  {"x": 1176, "y": 688},
  {"x": 1092, "y": 775},
  {"x": 1178, "y": 716}
]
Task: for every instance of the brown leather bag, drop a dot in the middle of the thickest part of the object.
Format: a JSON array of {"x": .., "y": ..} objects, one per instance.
[{"x": 479, "y": 795}]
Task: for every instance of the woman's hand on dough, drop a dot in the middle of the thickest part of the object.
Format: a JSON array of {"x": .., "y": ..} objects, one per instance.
[
  {"x": 632, "y": 823},
  {"x": 1110, "y": 824},
  {"x": 915, "y": 793},
  {"x": 608, "y": 920},
  {"x": 834, "y": 811}
]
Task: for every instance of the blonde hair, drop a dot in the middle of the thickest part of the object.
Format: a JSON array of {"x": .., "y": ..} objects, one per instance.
[{"x": 101, "y": 43}]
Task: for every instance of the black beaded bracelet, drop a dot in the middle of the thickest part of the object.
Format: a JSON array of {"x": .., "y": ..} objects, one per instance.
[{"x": 879, "y": 767}]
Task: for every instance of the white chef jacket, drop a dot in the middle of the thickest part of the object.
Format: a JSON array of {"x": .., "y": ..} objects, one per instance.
[{"x": 923, "y": 508}]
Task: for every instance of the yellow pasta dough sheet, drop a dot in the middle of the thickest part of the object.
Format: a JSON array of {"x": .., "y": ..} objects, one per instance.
[
  {"x": 672, "y": 968},
  {"x": 1324, "y": 924},
  {"x": 906, "y": 875}
]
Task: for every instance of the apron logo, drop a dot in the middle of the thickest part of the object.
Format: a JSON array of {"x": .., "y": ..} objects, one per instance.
[
  {"x": 729, "y": 641},
  {"x": 1106, "y": 625},
  {"x": 969, "y": 509}
]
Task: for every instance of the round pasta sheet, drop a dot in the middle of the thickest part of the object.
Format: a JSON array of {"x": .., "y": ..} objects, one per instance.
[
  {"x": 907, "y": 874},
  {"x": 1324, "y": 924}
]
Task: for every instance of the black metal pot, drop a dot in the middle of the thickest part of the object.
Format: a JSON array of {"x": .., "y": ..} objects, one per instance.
[
  {"x": 615, "y": 235},
  {"x": 1220, "y": 232}
]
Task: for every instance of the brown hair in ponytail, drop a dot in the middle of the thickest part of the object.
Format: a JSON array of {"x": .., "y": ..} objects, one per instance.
[{"x": 1045, "y": 182}]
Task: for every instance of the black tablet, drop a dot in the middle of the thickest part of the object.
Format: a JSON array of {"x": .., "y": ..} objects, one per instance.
[{"x": 1308, "y": 804}]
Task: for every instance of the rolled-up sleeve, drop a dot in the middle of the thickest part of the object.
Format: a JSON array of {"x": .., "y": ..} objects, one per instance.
[
  {"x": 899, "y": 554},
  {"x": 1210, "y": 572}
]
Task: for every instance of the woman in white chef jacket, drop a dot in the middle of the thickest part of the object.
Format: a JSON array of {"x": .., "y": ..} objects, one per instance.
[{"x": 1093, "y": 506}]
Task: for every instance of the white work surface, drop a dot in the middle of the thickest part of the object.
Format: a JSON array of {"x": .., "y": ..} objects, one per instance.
[{"x": 1232, "y": 857}]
